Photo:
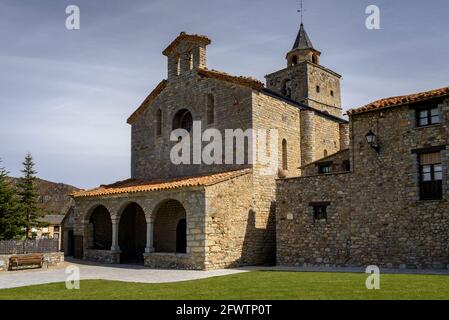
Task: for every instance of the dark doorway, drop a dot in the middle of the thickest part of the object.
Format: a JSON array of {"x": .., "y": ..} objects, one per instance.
[
  {"x": 181, "y": 236},
  {"x": 132, "y": 234},
  {"x": 102, "y": 228},
  {"x": 70, "y": 246},
  {"x": 79, "y": 250}
]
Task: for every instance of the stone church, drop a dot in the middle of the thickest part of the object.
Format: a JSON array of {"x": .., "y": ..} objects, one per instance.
[{"x": 198, "y": 216}]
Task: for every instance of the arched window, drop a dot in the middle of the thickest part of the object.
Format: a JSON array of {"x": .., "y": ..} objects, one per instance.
[
  {"x": 159, "y": 122},
  {"x": 284, "y": 155},
  {"x": 210, "y": 112},
  {"x": 267, "y": 143},
  {"x": 178, "y": 65},
  {"x": 325, "y": 153},
  {"x": 294, "y": 60},
  {"x": 190, "y": 60},
  {"x": 287, "y": 89},
  {"x": 183, "y": 120}
]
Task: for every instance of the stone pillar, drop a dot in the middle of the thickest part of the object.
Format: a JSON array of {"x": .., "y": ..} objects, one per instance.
[
  {"x": 115, "y": 246},
  {"x": 150, "y": 234}
]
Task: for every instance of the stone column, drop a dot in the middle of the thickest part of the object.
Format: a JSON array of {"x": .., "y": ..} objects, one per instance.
[
  {"x": 115, "y": 246},
  {"x": 150, "y": 233}
]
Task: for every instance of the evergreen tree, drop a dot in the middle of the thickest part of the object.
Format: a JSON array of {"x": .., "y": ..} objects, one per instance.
[
  {"x": 32, "y": 212},
  {"x": 10, "y": 213}
]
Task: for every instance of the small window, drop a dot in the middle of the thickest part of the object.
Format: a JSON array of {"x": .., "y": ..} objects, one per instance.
[
  {"x": 428, "y": 116},
  {"x": 267, "y": 143},
  {"x": 178, "y": 66},
  {"x": 431, "y": 176},
  {"x": 284, "y": 155},
  {"x": 294, "y": 60},
  {"x": 320, "y": 211},
  {"x": 318, "y": 89},
  {"x": 332, "y": 93},
  {"x": 210, "y": 109},
  {"x": 324, "y": 168},
  {"x": 346, "y": 165},
  {"x": 314, "y": 59},
  {"x": 55, "y": 228},
  {"x": 190, "y": 61},
  {"x": 159, "y": 122},
  {"x": 287, "y": 89}
]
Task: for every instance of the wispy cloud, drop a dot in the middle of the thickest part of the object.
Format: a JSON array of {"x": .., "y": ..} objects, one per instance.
[{"x": 65, "y": 95}]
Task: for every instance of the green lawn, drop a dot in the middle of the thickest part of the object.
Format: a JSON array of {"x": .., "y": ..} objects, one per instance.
[{"x": 252, "y": 285}]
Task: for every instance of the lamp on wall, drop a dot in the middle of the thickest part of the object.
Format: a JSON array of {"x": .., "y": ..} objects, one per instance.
[{"x": 372, "y": 140}]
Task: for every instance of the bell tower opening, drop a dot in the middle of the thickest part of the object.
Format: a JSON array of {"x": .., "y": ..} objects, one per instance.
[{"x": 186, "y": 53}]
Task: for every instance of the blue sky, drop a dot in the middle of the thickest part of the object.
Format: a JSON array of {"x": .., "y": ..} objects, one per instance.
[{"x": 65, "y": 95}]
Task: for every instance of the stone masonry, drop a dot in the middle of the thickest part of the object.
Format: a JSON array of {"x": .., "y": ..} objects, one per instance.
[
  {"x": 375, "y": 215},
  {"x": 197, "y": 215}
]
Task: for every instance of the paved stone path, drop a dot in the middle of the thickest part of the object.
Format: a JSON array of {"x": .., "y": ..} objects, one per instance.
[{"x": 127, "y": 273}]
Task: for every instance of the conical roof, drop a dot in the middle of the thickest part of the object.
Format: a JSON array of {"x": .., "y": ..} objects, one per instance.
[{"x": 302, "y": 40}]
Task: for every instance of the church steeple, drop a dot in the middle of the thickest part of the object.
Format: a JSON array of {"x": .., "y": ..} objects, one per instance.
[
  {"x": 303, "y": 49},
  {"x": 305, "y": 80},
  {"x": 302, "y": 39}
]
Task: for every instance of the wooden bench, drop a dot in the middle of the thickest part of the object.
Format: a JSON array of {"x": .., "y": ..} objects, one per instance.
[{"x": 28, "y": 260}]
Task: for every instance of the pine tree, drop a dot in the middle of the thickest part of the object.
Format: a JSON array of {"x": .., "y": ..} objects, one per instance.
[
  {"x": 10, "y": 217},
  {"x": 32, "y": 212}
]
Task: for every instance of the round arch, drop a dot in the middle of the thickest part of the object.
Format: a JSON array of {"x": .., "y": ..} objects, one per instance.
[
  {"x": 183, "y": 119},
  {"x": 99, "y": 230},
  {"x": 170, "y": 227},
  {"x": 132, "y": 232}
]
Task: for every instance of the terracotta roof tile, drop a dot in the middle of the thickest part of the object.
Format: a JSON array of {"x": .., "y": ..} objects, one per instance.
[
  {"x": 134, "y": 185},
  {"x": 244, "y": 81},
  {"x": 146, "y": 103},
  {"x": 400, "y": 100},
  {"x": 185, "y": 37}
]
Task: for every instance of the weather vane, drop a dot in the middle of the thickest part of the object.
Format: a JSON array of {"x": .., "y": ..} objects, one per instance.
[{"x": 301, "y": 10}]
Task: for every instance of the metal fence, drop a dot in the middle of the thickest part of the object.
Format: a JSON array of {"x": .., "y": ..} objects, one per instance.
[{"x": 29, "y": 246}]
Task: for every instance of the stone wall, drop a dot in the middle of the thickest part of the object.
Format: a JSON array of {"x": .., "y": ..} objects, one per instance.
[
  {"x": 294, "y": 78},
  {"x": 230, "y": 238},
  {"x": 327, "y": 137},
  {"x": 273, "y": 114},
  {"x": 320, "y": 136},
  {"x": 336, "y": 161},
  {"x": 375, "y": 213},
  {"x": 170, "y": 261},
  {"x": 233, "y": 110},
  {"x": 303, "y": 241},
  {"x": 102, "y": 256},
  {"x": 328, "y": 98},
  {"x": 303, "y": 80}
]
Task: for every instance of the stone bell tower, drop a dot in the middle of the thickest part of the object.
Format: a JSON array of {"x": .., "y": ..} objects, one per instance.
[{"x": 305, "y": 80}]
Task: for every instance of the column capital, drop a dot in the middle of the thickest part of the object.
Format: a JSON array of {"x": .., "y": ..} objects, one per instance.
[
  {"x": 115, "y": 220},
  {"x": 149, "y": 219}
]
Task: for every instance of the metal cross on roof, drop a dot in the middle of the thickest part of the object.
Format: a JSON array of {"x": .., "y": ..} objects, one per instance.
[{"x": 301, "y": 11}]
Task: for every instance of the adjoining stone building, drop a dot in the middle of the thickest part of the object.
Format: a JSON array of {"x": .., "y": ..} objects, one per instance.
[
  {"x": 384, "y": 201},
  {"x": 199, "y": 216}
]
